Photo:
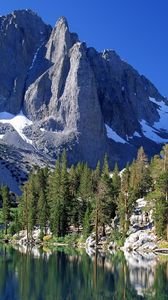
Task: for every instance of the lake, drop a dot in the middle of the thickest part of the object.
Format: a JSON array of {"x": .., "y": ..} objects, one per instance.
[{"x": 68, "y": 274}]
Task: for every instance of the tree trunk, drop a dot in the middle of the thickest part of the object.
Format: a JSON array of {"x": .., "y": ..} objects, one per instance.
[
  {"x": 103, "y": 231},
  {"x": 27, "y": 221},
  {"x": 96, "y": 227},
  {"x": 126, "y": 211},
  {"x": 6, "y": 231}
]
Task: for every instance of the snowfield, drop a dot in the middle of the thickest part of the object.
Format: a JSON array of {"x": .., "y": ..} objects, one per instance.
[
  {"x": 111, "y": 134},
  {"x": 19, "y": 122},
  {"x": 162, "y": 124},
  {"x": 151, "y": 132}
]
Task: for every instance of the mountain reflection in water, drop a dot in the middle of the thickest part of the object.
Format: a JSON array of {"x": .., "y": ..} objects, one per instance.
[{"x": 68, "y": 274}]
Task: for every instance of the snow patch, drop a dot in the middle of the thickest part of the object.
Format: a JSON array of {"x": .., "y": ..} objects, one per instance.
[
  {"x": 35, "y": 56},
  {"x": 19, "y": 122},
  {"x": 136, "y": 134},
  {"x": 111, "y": 134},
  {"x": 42, "y": 129},
  {"x": 1, "y": 136},
  {"x": 121, "y": 172},
  {"x": 151, "y": 133},
  {"x": 162, "y": 124}
]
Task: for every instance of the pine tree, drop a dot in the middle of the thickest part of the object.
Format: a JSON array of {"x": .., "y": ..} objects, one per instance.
[
  {"x": 32, "y": 202},
  {"x": 143, "y": 181},
  {"x": 43, "y": 206},
  {"x": 42, "y": 211},
  {"x": 55, "y": 199},
  {"x": 164, "y": 153},
  {"x": 86, "y": 223},
  {"x": 160, "y": 216},
  {"x": 28, "y": 205},
  {"x": 133, "y": 175},
  {"x": 85, "y": 192},
  {"x": 73, "y": 190},
  {"x": 156, "y": 167},
  {"x": 64, "y": 195},
  {"x": 96, "y": 174},
  {"x": 116, "y": 182},
  {"x": 105, "y": 170},
  {"x": 123, "y": 205},
  {"x": 162, "y": 185},
  {"x": 104, "y": 205},
  {"x": 5, "y": 206}
]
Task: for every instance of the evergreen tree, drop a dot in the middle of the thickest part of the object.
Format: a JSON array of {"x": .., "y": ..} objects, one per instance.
[
  {"x": 73, "y": 189},
  {"x": 162, "y": 205},
  {"x": 143, "y": 181},
  {"x": 64, "y": 196},
  {"x": 105, "y": 170},
  {"x": 55, "y": 199},
  {"x": 160, "y": 217},
  {"x": 5, "y": 206},
  {"x": 43, "y": 206},
  {"x": 86, "y": 224},
  {"x": 116, "y": 182},
  {"x": 156, "y": 167},
  {"x": 164, "y": 153},
  {"x": 104, "y": 205},
  {"x": 123, "y": 205},
  {"x": 85, "y": 192},
  {"x": 32, "y": 202},
  {"x": 96, "y": 174},
  {"x": 42, "y": 211}
]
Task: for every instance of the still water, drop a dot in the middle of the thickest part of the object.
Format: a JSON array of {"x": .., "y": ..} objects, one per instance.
[{"x": 66, "y": 274}]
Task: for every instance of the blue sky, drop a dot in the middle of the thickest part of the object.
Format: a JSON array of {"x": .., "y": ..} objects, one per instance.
[{"x": 136, "y": 29}]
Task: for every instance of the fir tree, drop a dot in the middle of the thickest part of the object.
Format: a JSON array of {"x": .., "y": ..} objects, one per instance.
[
  {"x": 64, "y": 196},
  {"x": 55, "y": 200},
  {"x": 116, "y": 182},
  {"x": 123, "y": 205},
  {"x": 86, "y": 223},
  {"x": 85, "y": 192},
  {"x": 73, "y": 189},
  {"x": 162, "y": 185},
  {"x": 5, "y": 206},
  {"x": 43, "y": 206},
  {"x": 105, "y": 170}
]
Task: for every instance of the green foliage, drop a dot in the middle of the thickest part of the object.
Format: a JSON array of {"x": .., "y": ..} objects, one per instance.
[
  {"x": 5, "y": 206},
  {"x": 118, "y": 237},
  {"x": 86, "y": 223},
  {"x": 70, "y": 239},
  {"x": 83, "y": 199}
]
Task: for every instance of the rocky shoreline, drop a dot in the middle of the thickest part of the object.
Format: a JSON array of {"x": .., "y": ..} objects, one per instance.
[{"x": 141, "y": 237}]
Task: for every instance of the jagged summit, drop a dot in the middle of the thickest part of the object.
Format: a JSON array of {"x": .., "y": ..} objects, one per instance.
[
  {"x": 21, "y": 13},
  {"x": 62, "y": 21},
  {"x": 59, "y": 94}
]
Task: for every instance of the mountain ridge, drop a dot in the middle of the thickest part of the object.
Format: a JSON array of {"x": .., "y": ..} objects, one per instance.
[{"x": 76, "y": 98}]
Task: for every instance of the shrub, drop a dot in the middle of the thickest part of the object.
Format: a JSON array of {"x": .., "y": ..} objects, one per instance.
[{"x": 47, "y": 238}]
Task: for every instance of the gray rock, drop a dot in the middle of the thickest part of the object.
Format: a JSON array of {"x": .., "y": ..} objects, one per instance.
[
  {"x": 70, "y": 92},
  {"x": 22, "y": 33}
]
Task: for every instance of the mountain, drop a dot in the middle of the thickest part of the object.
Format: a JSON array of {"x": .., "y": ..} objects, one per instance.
[{"x": 57, "y": 93}]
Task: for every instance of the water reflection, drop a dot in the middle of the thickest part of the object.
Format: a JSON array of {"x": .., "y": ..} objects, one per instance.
[{"x": 67, "y": 274}]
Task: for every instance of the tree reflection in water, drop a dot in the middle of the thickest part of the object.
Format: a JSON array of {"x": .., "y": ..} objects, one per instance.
[{"x": 67, "y": 274}]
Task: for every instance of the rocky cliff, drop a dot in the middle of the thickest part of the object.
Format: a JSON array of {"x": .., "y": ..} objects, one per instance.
[{"x": 57, "y": 93}]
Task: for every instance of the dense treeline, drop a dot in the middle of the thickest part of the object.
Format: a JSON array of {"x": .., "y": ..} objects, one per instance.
[{"x": 88, "y": 200}]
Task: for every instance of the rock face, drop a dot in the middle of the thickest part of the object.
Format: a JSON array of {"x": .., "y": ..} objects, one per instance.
[
  {"x": 21, "y": 34},
  {"x": 75, "y": 98},
  {"x": 141, "y": 235}
]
